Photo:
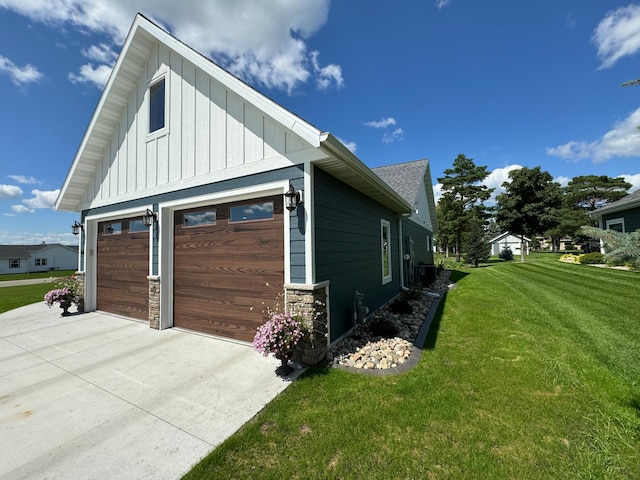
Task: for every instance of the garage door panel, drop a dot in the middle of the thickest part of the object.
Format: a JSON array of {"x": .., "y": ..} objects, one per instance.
[
  {"x": 224, "y": 272},
  {"x": 122, "y": 269}
]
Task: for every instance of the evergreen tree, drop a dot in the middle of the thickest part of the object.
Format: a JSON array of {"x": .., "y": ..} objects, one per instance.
[
  {"x": 595, "y": 191},
  {"x": 529, "y": 204},
  {"x": 462, "y": 198},
  {"x": 475, "y": 243}
]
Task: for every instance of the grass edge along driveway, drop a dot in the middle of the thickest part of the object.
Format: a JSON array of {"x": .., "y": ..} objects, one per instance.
[{"x": 530, "y": 371}]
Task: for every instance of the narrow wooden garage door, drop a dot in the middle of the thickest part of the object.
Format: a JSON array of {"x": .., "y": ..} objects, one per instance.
[
  {"x": 228, "y": 266},
  {"x": 123, "y": 267}
]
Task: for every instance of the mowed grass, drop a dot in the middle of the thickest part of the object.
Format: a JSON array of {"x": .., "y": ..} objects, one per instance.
[
  {"x": 530, "y": 371},
  {"x": 29, "y": 276},
  {"x": 14, "y": 297}
]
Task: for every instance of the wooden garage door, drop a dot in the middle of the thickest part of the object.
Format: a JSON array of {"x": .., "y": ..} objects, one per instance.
[
  {"x": 123, "y": 267},
  {"x": 228, "y": 260}
]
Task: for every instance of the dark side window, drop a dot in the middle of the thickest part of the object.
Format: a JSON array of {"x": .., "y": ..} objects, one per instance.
[{"x": 156, "y": 106}]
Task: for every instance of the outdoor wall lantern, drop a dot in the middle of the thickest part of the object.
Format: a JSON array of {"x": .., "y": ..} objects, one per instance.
[
  {"x": 76, "y": 228},
  {"x": 149, "y": 217},
  {"x": 292, "y": 198}
]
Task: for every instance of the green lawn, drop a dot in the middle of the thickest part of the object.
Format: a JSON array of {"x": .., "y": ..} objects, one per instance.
[
  {"x": 530, "y": 371},
  {"x": 28, "y": 276},
  {"x": 14, "y": 297}
]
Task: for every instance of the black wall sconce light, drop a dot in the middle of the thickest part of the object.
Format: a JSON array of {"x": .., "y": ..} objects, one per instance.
[
  {"x": 76, "y": 228},
  {"x": 149, "y": 217},
  {"x": 292, "y": 198}
]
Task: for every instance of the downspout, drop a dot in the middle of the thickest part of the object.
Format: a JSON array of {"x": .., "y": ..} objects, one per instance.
[{"x": 401, "y": 217}]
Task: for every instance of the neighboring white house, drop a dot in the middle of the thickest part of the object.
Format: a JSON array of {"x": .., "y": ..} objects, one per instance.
[
  {"x": 512, "y": 241},
  {"x": 37, "y": 258}
]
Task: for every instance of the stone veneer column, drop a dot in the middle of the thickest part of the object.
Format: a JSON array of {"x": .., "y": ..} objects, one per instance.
[
  {"x": 309, "y": 302},
  {"x": 154, "y": 302},
  {"x": 80, "y": 277}
]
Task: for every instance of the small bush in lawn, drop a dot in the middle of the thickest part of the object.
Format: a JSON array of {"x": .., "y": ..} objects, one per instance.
[
  {"x": 401, "y": 306},
  {"x": 383, "y": 328},
  {"x": 591, "y": 258},
  {"x": 506, "y": 254}
]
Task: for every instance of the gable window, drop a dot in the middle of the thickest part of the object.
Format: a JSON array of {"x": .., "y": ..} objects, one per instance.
[
  {"x": 41, "y": 262},
  {"x": 385, "y": 250},
  {"x": 616, "y": 224},
  {"x": 14, "y": 263},
  {"x": 156, "y": 105}
]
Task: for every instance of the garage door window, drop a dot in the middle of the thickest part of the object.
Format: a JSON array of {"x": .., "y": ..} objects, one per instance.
[
  {"x": 251, "y": 213},
  {"x": 137, "y": 226},
  {"x": 112, "y": 228},
  {"x": 199, "y": 219}
]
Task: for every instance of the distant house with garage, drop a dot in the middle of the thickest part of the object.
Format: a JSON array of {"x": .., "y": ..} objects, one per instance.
[
  {"x": 202, "y": 201},
  {"x": 508, "y": 240},
  {"x": 37, "y": 258}
]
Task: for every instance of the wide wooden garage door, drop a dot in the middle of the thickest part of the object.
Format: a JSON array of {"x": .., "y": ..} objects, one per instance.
[
  {"x": 228, "y": 266},
  {"x": 123, "y": 267}
]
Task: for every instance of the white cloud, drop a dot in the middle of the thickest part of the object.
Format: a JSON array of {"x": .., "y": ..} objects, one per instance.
[
  {"x": 437, "y": 192},
  {"x": 262, "y": 42},
  {"x": 101, "y": 53},
  {"x": 21, "y": 209},
  {"x": 325, "y": 76},
  {"x": 623, "y": 140},
  {"x": 90, "y": 74},
  {"x": 497, "y": 177},
  {"x": 634, "y": 180},
  {"x": 440, "y": 4},
  {"x": 10, "y": 191},
  {"x": 384, "y": 123},
  {"x": 26, "y": 238},
  {"x": 8, "y": 214},
  {"x": 23, "y": 179},
  {"x": 562, "y": 180},
  {"x": 350, "y": 145},
  {"x": 618, "y": 35},
  {"x": 42, "y": 199},
  {"x": 19, "y": 75},
  {"x": 396, "y": 135}
]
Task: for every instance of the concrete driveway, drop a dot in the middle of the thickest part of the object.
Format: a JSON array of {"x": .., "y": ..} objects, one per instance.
[{"x": 100, "y": 396}]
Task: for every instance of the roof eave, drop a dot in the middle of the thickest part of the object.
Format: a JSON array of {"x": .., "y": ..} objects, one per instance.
[{"x": 357, "y": 174}]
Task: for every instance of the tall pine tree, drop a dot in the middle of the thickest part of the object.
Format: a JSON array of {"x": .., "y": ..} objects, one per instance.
[{"x": 462, "y": 198}]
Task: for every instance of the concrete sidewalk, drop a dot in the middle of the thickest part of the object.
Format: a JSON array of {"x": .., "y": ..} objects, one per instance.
[
  {"x": 31, "y": 281},
  {"x": 100, "y": 396}
]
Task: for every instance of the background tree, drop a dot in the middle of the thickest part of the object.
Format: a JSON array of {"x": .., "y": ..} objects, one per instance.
[
  {"x": 529, "y": 204},
  {"x": 594, "y": 191},
  {"x": 619, "y": 247},
  {"x": 462, "y": 197},
  {"x": 475, "y": 242},
  {"x": 444, "y": 238}
]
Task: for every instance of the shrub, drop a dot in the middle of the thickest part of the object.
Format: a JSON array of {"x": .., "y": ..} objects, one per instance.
[
  {"x": 414, "y": 293},
  {"x": 383, "y": 328},
  {"x": 506, "y": 254},
  {"x": 569, "y": 258},
  {"x": 401, "y": 306},
  {"x": 591, "y": 258},
  {"x": 279, "y": 335}
]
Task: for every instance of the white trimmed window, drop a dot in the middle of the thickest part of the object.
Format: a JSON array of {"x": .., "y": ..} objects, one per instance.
[
  {"x": 157, "y": 105},
  {"x": 616, "y": 224},
  {"x": 41, "y": 262},
  {"x": 385, "y": 250},
  {"x": 14, "y": 263}
]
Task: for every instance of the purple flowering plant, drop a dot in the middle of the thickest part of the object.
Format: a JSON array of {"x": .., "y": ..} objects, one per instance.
[
  {"x": 67, "y": 291},
  {"x": 279, "y": 335}
]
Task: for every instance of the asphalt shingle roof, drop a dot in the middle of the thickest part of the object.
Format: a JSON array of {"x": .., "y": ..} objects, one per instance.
[
  {"x": 404, "y": 178},
  {"x": 23, "y": 251}
]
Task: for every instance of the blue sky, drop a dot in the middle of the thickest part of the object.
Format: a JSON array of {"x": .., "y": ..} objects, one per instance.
[{"x": 506, "y": 83}]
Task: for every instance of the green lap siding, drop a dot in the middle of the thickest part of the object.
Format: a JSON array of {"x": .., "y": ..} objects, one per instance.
[
  {"x": 631, "y": 218},
  {"x": 348, "y": 249},
  {"x": 422, "y": 253}
]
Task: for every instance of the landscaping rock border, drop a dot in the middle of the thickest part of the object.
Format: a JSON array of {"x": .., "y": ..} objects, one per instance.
[{"x": 367, "y": 354}]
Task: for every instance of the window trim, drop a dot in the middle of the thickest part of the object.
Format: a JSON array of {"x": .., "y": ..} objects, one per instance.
[
  {"x": 162, "y": 76},
  {"x": 615, "y": 221},
  {"x": 41, "y": 262},
  {"x": 12, "y": 261},
  {"x": 385, "y": 224}
]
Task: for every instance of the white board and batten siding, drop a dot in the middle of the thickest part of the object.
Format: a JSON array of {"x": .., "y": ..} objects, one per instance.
[{"x": 208, "y": 130}]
